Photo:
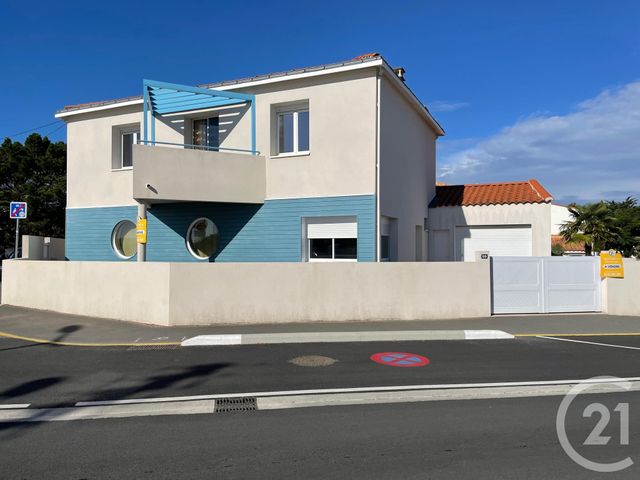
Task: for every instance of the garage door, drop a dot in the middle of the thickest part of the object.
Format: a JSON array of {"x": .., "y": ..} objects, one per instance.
[{"x": 502, "y": 241}]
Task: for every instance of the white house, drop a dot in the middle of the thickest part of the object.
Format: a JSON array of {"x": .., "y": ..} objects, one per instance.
[{"x": 328, "y": 163}]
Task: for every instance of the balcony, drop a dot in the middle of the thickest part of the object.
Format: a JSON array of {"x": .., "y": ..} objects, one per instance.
[{"x": 164, "y": 173}]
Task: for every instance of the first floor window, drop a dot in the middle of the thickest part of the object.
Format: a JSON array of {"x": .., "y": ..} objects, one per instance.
[
  {"x": 123, "y": 239},
  {"x": 202, "y": 238},
  {"x": 293, "y": 132},
  {"x": 128, "y": 138},
  {"x": 206, "y": 133}
]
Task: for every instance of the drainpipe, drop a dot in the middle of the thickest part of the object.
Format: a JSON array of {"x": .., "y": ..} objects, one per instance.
[
  {"x": 142, "y": 246},
  {"x": 377, "y": 239}
]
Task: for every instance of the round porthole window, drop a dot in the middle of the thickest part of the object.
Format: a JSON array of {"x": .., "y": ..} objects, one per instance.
[
  {"x": 202, "y": 238},
  {"x": 123, "y": 239}
]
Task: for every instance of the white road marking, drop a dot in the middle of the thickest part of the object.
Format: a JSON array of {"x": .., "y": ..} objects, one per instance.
[
  {"x": 203, "y": 340},
  {"x": 324, "y": 391},
  {"x": 589, "y": 343},
  {"x": 362, "y": 336},
  {"x": 14, "y": 406},
  {"x": 486, "y": 335}
]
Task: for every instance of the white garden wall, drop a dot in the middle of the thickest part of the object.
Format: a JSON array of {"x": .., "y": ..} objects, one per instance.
[{"x": 244, "y": 293}]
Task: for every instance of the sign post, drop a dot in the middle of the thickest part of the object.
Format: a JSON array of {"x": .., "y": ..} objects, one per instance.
[
  {"x": 141, "y": 233},
  {"x": 17, "y": 210}
]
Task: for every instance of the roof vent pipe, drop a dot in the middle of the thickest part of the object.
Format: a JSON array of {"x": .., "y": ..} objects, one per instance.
[{"x": 399, "y": 71}]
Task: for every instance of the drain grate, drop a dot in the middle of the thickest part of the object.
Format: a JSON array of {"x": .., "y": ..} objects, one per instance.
[
  {"x": 243, "y": 404},
  {"x": 153, "y": 347}
]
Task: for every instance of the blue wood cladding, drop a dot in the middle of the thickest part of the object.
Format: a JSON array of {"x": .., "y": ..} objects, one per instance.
[{"x": 248, "y": 233}]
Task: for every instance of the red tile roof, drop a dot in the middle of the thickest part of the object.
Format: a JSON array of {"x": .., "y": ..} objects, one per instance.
[
  {"x": 366, "y": 56},
  {"x": 490, "y": 194}
]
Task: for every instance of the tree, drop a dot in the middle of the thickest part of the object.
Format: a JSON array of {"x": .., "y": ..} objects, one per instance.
[
  {"x": 627, "y": 215},
  {"x": 557, "y": 250},
  {"x": 34, "y": 172},
  {"x": 593, "y": 224},
  {"x": 605, "y": 225}
]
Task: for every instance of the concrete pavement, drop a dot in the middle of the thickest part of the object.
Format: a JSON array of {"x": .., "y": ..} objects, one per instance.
[{"x": 53, "y": 327}]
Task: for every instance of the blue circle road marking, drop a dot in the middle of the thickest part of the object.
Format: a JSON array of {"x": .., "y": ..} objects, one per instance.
[{"x": 400, "y": 359}]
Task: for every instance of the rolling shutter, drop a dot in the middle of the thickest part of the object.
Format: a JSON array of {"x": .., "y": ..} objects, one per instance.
[
  {"x": 499, "y": 241},
  {"x": 332, "y": 227}
]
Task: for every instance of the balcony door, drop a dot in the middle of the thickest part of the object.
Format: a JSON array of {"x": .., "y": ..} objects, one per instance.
[{"x": 206, "y": 133}]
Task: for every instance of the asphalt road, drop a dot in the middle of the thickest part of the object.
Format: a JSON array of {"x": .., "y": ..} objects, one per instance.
[
  {"x": 46, "y": 375},
  {"x": 480, "y": 439}
]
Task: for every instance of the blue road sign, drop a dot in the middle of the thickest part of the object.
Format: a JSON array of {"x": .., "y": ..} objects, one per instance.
[{"x": 18, "y": 210}]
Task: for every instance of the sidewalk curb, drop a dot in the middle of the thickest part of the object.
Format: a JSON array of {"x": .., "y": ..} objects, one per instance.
[
  {"x": 276, "y": 400},
  {"x": 336, "y": 337}
]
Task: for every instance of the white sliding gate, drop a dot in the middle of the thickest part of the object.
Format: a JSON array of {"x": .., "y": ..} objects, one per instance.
[{"x": 545, "y": 284}]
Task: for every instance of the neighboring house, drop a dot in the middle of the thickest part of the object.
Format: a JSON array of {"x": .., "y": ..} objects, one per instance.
[
  {"x": 559, "y": 216},
  {"x": 572, "y": 249},
  {"x": 330, "y": 163},
  {"x": 504, "y": 219}
]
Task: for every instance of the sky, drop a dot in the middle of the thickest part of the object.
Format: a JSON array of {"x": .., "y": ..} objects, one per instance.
[{"x": 524, "y": 89}]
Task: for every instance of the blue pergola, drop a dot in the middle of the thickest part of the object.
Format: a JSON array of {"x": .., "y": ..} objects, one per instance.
[{"x": 161, "y": 98}]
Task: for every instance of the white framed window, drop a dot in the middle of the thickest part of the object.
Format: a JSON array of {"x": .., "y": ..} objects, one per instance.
[
  {"x": 128, "y": 138},
  {"x": 333, "y": 249},
  {"x": 331, "y": 239},
  {"x": 202, "y": 238},
  {"x": 123, "y": 239},
  {"x": 293, "y": 132}
]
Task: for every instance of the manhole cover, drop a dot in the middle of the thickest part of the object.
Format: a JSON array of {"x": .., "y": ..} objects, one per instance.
[{"x": 313, "y": 361}]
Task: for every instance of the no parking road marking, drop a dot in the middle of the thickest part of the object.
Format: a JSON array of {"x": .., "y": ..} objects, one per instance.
[{"x": 400, "y": 359}]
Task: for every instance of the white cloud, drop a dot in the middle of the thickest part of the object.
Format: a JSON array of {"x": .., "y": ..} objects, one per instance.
[
  {"x": 590, "y": 153},
  {"x": 442, "y": 106}
]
